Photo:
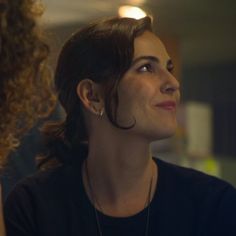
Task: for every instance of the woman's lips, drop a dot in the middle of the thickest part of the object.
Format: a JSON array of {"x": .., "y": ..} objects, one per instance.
[{"x": 167, "y": 105}]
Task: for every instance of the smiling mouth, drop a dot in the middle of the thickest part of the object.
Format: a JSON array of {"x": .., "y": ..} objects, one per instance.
[{"x": 168, "y": 105}]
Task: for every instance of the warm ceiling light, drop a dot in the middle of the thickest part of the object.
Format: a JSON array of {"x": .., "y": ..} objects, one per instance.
[
  {"x": 136, "y": 2},
  {"x": 131, "y": 12}
]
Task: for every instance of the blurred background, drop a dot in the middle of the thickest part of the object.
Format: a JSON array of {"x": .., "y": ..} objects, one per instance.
[
  {"x": 201, "y": 39},
  {"x": 200, "y": 36}
]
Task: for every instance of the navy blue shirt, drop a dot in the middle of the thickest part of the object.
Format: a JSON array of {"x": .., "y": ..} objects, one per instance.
[{"x": 186, "y": 203}]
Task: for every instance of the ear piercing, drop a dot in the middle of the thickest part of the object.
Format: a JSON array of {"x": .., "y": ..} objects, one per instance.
[
  {"x": 100, "y": 113},
  {"x": 96, "y": 111}
]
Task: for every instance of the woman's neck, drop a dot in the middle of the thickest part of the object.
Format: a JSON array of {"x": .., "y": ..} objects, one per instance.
[{"x": 120, "y": 173}]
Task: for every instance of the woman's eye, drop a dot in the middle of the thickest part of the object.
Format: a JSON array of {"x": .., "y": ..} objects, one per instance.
[
  {"x": 170, "y": 68},
  {"x": 145, "y": 68}
]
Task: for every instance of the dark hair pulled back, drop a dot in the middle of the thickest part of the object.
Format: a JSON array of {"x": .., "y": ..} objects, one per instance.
[{"x": 103, "y": 52}]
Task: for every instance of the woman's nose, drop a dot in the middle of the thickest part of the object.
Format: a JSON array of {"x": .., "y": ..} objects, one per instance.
[{"x": 171, "y": 84}]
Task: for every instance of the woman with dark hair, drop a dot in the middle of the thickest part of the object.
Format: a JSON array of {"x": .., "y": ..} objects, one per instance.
[
  {"x": 114, "y": 80},
  {"x": 26, "y": 91}
]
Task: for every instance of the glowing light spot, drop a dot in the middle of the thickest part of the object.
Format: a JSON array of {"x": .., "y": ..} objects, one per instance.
[{"x": 131, "y": 12}]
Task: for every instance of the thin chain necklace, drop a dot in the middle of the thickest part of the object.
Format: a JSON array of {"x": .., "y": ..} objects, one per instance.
[{"x": 93, "y": 196}]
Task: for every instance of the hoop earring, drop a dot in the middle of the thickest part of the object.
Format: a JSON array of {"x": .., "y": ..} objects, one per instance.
[{"x": 100, "y": 113}]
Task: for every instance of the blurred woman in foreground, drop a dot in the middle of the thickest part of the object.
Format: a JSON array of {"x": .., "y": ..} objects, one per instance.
[{"x": 25, "y": 81}]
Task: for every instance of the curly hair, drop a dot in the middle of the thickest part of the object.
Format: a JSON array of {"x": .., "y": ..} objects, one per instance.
[{"x": 26, "y": 91}]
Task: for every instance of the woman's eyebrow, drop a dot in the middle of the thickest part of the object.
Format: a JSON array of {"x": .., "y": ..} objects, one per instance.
[{"x": 151, "y": 58}]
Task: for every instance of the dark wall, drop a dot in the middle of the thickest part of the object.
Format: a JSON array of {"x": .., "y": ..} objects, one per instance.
[{"x": 215, "y": 84}]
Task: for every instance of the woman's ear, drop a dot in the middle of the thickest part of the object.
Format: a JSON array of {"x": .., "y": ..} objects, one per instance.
[{"x": 90, "y": 94}]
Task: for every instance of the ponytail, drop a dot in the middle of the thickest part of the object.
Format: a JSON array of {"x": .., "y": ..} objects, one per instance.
[{"x": 65, "y": 141}]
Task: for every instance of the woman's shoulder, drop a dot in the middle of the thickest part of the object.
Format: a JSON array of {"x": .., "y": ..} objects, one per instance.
[
  {"x": 45, "y": 196},
  {"x": 192, "y": 181},
  {"x": 43, "y": 184},
  {"x": 208, "y": 201},
  {"x": 41, "y": 178}
]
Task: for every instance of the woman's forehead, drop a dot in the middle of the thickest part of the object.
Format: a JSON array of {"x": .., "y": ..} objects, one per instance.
[{"x": 148, "y": 44}]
